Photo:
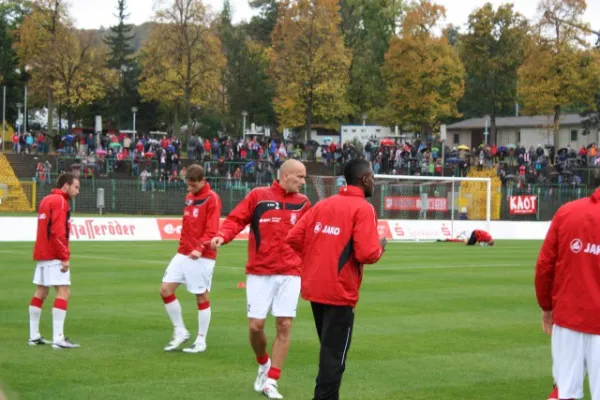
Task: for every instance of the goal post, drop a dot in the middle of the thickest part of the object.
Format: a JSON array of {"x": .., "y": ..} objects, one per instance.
[{"x": 427, "y": 208}]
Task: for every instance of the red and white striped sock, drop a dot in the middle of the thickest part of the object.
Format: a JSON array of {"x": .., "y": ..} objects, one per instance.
[
  {"x": 35, "y": 313},
  {"x": 59, "y": 313},
  {"x": 204, "y": 314},
  {"x": 174, "y": 310}
]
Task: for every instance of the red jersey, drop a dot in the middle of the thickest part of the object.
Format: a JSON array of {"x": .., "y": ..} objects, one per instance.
[
  {"x": 335, "y": 239},
  {"x": 567, "y": 273},
  {"x": 271, "y": 213},
  {"x": 201, "y": 217},
  {"x": 52, "y": 241},
  {"x": 482, "y": 236}
]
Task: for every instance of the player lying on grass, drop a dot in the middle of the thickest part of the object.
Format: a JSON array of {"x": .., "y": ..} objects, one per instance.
[
  {"x": 195, "y": 259},
  {"x": 477, "y": 236}
]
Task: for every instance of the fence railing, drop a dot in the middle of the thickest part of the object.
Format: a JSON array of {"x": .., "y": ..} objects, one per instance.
[{"x": 155, "y": 197}]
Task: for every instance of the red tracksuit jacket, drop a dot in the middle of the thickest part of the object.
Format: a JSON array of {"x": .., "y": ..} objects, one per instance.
[
  {"x": 271, "y": 213},
  {"x": 335, "y": 239},
  {"x": 201, "y": 218},
  {"x": 567, "y": 273},
  {"x": 52, "y": 241},
  {"x": 482, "y": 236}
]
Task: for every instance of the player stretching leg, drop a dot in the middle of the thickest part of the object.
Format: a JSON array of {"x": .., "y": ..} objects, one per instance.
[
  {"x": 52, "y": 254},
  {"x": 477, "y": 236},
  {"x": 273, "y": 269},
  {"x": 195, "y": 260}
]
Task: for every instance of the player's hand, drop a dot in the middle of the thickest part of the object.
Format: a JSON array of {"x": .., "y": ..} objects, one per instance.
[
  {"x": 547, "y": 322},
  {"x": 383, "y": 242},
  {"x": 196, "y": 254},
  {"x": 216, "y": 242},
  {"x": 65, "y": 266}
]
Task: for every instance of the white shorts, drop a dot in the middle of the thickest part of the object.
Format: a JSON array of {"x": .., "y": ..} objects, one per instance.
[
  {"x": 196, "y": 274},
  {"x": 48, "y": 273},
  {"x": 574, "y": 354},
  {"x": 278, "y": 293}
]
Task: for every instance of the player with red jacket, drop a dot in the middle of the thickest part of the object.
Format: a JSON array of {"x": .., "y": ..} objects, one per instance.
[
  {"x": 567, "y": 285},
  {"x": 335, "y": 239},
  {"x": 477, "y": 236},
  {"x": 273, "y": 268},
  {"x": 195, "y": 259},
  {"x": 52, "y": 254}
]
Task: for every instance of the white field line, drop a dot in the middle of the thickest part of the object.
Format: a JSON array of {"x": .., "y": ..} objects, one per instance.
[{"x": 241, "y": 268}]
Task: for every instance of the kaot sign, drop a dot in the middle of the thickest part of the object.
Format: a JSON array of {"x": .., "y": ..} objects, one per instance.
[{"x": 522, "y": 205}]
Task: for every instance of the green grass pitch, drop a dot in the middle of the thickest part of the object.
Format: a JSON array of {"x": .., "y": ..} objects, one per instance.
[{"x": 435, "y": 321}]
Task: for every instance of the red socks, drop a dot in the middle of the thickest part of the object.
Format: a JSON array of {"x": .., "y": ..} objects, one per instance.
[
  {"x": 263, "y": 359},
  {"x": 204, "y": 306},
  {"x": 61, "y": 304},
  {"x": 36, "y": 302},
  {"x": 274, "y": 373},
  {"x": 169, "y": 299}
]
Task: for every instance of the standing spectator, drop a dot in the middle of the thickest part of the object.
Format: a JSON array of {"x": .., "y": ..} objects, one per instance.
[{"x": 567, "y": 284}]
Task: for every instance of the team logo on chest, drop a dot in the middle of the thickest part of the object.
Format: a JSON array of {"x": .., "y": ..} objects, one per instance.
[
  {"x": 188, "y": 202},
  {"x": 293, "y": 218}
]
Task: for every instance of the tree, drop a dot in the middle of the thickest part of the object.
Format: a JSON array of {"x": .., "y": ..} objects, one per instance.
[
  {"x": 309, "y": 64},
  {"x": 492, "y": 51},
  {"x": 182, "y": 60},
  {"x": 66, "y": 64},
  {"x": 246, "y": 85},
  {"x": 559, "y": 67},
  {"x": 12, "y": 14},
  {"x": 261, "y": 26},
  {"x": 424, "y": 74},
  {"x": 368, "y": 26},
  {"x": 121, "y": 61}
]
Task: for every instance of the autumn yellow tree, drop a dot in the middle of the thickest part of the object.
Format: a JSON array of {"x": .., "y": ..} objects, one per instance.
[
  {"x": 66, "y": 64},
  {"x": 309, "y": 64},
  {"x": 182, "y": 61},
  {"x": 560, "y": 69},
  {"x": 424, "y": 74}
]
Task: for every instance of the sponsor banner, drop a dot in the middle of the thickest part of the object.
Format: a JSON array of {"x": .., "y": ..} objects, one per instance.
[
  {"x": 413, "y": 203},
  {"x": 23, "y": 229},
  {"x": 522, "y": 205},
  {"x": 419, "y": 230},
  {"x": 113, "y": 229},
  {"x": 170, "y": 229}
]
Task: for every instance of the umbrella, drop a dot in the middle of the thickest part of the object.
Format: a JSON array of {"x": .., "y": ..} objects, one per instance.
[
  {"x": 567, "y": 173},
  {"x": 387, "y": 142},
  {"x": 463, "y": 147},
  {"x": 75, "y": 166},
  {"x": 563, "y": 150},
  {"x": 502, "y": 148},
  {"x": 511, "y": 176},
  {"x": 435, "y": 150},
  {"x": 424, "y": 149},
  {"x": 327, "y": 139},
  {"x": 511, "y": 146},
  {"x": 115, "y": 144},
  {"x": 149, "y": 154},
  {"x": 453, "y": 160},
  {"x": 590, "y": 145},
  {"x": 100, "y": 152}
]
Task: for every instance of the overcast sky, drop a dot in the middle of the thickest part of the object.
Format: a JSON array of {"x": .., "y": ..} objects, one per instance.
[{"x": 96, "y": 13}]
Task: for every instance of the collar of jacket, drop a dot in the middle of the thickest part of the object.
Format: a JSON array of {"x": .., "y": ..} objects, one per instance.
[
  {"x": 279, "y": 188},
  {"x": 204, "y": 189},
  {"x": 596, "y": 196},
  {"x": 350, "y": 190},
  {"x": 63, "y": 194}
]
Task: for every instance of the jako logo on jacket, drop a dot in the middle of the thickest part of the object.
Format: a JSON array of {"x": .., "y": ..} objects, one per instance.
[{"x": 327, "y": 230}]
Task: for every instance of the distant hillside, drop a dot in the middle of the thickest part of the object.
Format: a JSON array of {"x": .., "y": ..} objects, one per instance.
[{"x": 141, "y": 32}]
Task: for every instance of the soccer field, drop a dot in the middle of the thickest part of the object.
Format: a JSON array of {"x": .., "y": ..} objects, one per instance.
[{"x": 435, "y": 321}]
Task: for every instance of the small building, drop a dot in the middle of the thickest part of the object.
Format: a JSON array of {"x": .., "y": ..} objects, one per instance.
[{"x": 527, "y": 131}]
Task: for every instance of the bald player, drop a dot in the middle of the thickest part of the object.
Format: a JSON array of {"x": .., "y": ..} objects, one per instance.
[{"x": 273, "y": 268}]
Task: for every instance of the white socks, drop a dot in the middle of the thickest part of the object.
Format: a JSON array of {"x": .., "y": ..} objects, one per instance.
[
  {"x": 204, "y": 314},
  {"x": 59, "y": 313},
  {"x": 174, "y": 310}
]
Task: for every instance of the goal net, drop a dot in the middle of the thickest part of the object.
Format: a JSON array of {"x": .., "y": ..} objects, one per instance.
[{"x": 428, "y": 208}]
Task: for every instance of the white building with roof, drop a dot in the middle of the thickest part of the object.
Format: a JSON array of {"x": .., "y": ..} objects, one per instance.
[{"x": 526, "y": 131}]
